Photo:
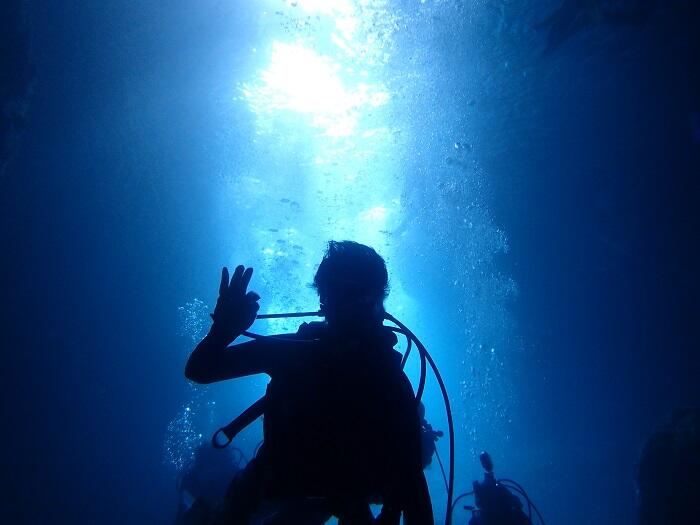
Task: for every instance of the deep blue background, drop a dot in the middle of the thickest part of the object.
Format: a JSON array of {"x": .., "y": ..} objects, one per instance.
[{"x": 102, "y": 223}]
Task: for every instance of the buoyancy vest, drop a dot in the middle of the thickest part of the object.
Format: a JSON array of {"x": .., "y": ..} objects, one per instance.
[{"x": 336, "y": 418}]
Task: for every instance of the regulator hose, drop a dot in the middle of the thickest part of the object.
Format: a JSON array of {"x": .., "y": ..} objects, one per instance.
[
  {"x": 425, "y": 358},
  {"x": 448, "y": 409}
]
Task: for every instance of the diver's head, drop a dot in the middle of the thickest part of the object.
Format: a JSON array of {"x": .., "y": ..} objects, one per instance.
[
  {"x": 352, "y": 283},
  {"x": 668, "y": 473}
]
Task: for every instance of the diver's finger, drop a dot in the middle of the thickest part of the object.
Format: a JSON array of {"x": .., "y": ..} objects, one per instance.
[
  {"x": 252, "y": 297},
  {"x": 236, "y": 279},
  {"x": 245, "y": 280},
  {"x": 223, "y": 286}
]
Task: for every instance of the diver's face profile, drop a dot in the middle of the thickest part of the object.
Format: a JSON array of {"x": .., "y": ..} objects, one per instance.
[{"x": 352, "y": 312}]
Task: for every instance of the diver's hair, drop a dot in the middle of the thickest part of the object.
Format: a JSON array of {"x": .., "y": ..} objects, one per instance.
[
  {"x": 351, "y": 267},
  {"x": 668, "y": 472}
]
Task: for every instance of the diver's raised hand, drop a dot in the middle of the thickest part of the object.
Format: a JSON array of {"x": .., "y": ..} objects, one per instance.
[{"x": 235, "y": 308}]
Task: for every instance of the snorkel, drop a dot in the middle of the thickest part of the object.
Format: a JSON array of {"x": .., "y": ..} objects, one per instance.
[{"x": 257, "y": 409}]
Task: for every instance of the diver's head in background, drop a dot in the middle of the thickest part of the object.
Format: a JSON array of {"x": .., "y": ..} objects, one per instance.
[
  {"x": 352, "y": 283},
  {"x": 668, "y": 473}
]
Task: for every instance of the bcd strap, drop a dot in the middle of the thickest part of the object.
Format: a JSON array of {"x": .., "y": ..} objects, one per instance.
[{"x": 231, "y": 430}]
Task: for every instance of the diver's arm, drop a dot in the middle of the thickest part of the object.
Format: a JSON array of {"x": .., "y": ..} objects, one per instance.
[
  {"x": 213, "y": 360},
  {"x": 235, "y": 312}
]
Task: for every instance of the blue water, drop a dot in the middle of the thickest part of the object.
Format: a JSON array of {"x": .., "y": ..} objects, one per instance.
[{"x": 535, "y": 202}]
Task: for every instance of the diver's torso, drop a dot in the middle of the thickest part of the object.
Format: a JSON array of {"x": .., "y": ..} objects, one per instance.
[{"x": 328, "y": 420}]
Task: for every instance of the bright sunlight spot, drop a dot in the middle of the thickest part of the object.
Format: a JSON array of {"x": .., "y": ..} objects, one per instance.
[
  {"x": 299, "y": 79},
  {"x": 377, "y": 213}
]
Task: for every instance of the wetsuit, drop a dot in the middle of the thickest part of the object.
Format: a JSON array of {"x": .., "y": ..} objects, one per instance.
[{"x": 341, "y": 422}]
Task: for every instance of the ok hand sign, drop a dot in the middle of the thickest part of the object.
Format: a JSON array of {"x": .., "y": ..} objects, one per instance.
[{"x": 235, "y": 308}]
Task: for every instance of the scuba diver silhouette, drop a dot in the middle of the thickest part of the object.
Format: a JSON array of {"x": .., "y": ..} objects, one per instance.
[
  {"x": 668, "y": 472},
  {"x": 341, "y": 427},
  {"x": 573, "y": 15}
]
